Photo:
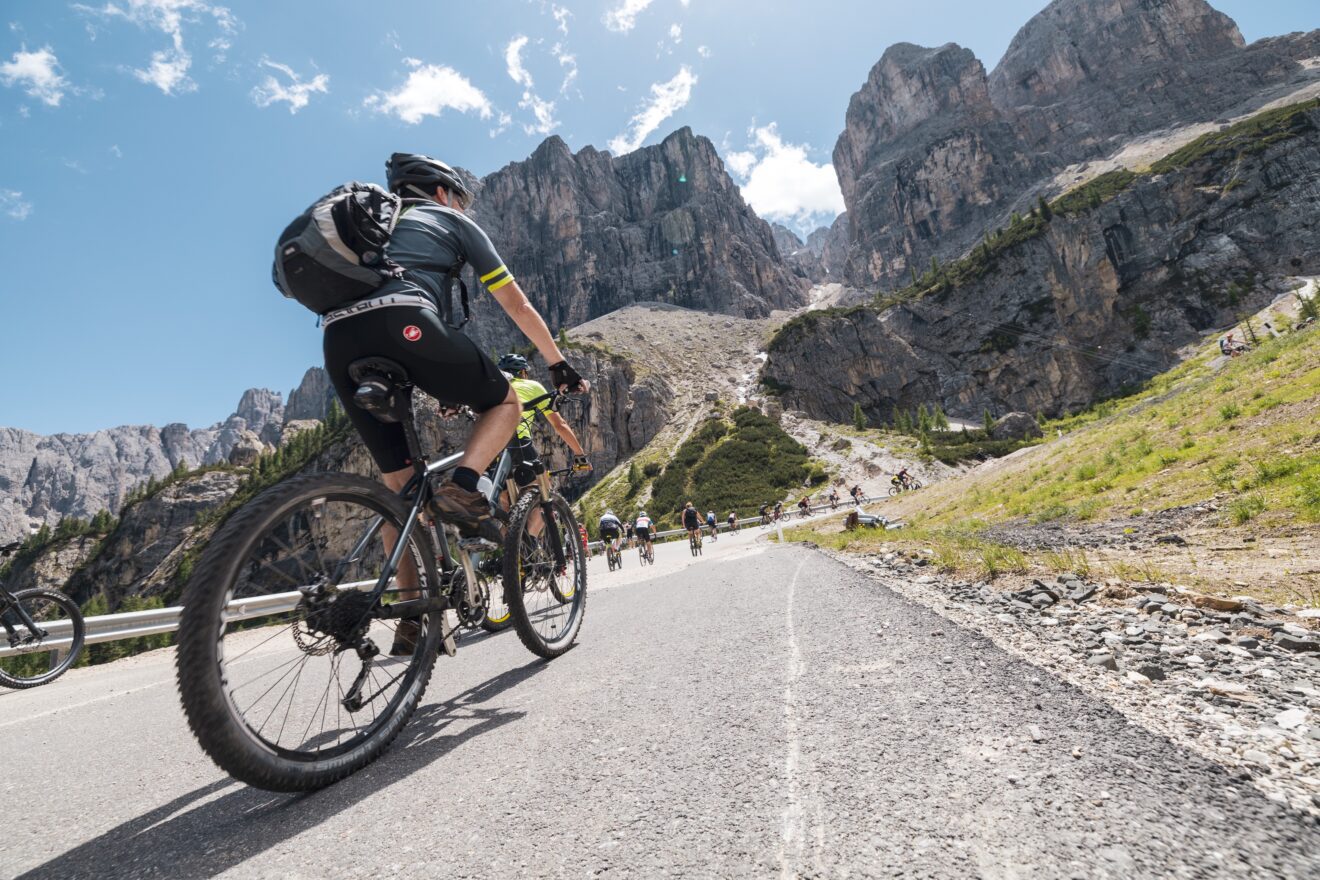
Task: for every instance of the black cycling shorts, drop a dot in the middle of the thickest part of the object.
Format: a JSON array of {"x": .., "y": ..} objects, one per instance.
[
  {"x": 440, "y": 360},
  {"x": 608, "y": 533}
]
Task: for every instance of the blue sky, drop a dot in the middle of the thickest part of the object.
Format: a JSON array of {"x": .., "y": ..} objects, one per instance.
[{"x": 151, "y": 150}]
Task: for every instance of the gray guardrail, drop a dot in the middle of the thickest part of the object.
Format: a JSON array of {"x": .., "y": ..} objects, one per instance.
[{"x": 135, "y": 624}]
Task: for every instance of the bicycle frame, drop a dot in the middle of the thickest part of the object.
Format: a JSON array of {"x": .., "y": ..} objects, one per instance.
[
  {"x": 418, "y": 491},
  {"x": 9, "y": 602}
]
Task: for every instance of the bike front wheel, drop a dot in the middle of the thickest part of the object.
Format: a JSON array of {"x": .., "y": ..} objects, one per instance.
[
  {"x": 545, "y": 574},
  {"x": 895, "y": 490},
  {"x": 39, "y": 622},
  {"x": 292, "y": 677}
]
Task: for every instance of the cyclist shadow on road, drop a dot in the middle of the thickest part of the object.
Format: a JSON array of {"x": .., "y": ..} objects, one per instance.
[{"x": 179, "y": 839}]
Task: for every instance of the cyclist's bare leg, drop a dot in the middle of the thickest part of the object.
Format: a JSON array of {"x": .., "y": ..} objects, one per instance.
[{"x": 492, "y": 431}]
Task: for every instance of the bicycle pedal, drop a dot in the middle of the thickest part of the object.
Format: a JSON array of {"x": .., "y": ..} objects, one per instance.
[{"x": 477, "y": 544}]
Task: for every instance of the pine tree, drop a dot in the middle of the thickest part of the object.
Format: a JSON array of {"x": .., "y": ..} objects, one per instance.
[
  {"x": 938, "y": 419},
  {"x": 896, "y": 418},
  {"x": 859, "y": 417},
  {"x": 934, "y": 266},
  {"x": 913, "y": 269},
  {"x": 923, "y": 419},
  {"x": 988, "y": 423},
  {"x": 1046, "y": 212}
]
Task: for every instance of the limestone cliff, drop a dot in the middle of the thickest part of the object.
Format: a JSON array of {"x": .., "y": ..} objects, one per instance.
[
  {"x": 935, "y": 153},
  {"x": 588, "y": 233},
  {"x": 1100, "y": 296}
]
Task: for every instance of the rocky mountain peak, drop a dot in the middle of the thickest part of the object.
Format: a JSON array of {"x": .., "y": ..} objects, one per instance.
[
  {"x": 587, "y": 233},
  {"x": 1083, "y": 72}
]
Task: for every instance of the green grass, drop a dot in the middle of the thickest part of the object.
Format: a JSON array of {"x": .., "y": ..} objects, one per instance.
[{"x": 1120, "y": 456}]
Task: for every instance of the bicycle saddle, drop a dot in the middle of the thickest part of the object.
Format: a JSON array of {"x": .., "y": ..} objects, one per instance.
[{"x": 383, "y": 387}]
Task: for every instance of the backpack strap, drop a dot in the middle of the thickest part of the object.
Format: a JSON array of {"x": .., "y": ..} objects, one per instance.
[{"x": 447, "y": 295}]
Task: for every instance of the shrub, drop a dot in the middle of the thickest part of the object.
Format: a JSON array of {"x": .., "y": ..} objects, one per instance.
[
  {"x": 1229, "y": 411},
  {"x": 1247, "y": 507}
]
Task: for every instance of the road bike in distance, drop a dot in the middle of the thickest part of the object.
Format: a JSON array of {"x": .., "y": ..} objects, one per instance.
[
  {"x": 646, "y": 551},
  {"x": 612, "y": 556},
  {"x": 901, "y": 487},
  {"x": 43, "y": 634},
  {"x": 694, "y": 541},
  {"x": 311, "y": 627}
]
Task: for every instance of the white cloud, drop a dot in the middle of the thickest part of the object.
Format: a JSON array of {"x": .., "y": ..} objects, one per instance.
[
  {"x": 569, "y": 63},
  {"x": 13, "y": 206},
  {"x": 430, "y": 90},
  {"x": 543, "y": 111},
  {"x": 296, "y": 94},
  {"x": 513, "y": 61},
  {"x": 781, "y": 183},
  {"x": 623, "y": 17},
  {"x": 168, "y": 70},
  {"x": 37, "y": 73},
  {"x": 703, "y": 51},
  {"x": 666, "y": 99},
  {"x": 676, "y": 33},
  {"x": 561, "y": 16},
  {"x": 116, "y": 152}
]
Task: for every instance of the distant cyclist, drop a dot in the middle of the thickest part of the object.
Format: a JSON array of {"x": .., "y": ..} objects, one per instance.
[
  {"x": 764, "y": 511},
  {"x": 804, "y": 505},
  {"x": 902, "y": 478},
  {"x": 733, "y": 520},
  {"x": 692, "y": 521},
  {"x": 611, "y": 530},
  {"x": 779, "y": 511},
  {"x": 628, "y": 533},
  {"x": 642, "y": 529},
  {"x": 857, "y": 495},
  {"x": 834, "y": 497}
]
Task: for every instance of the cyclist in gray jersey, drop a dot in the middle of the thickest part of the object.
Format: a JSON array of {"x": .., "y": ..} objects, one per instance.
[{"x": 409, "y": 321}]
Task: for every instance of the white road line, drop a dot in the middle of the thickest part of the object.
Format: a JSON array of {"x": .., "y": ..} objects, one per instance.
[{"x": 794, "y": 826}]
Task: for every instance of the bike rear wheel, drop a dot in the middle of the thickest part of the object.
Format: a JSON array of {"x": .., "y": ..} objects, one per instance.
[
  {"x": 286, "y": 670},
  {"x": 59, "y": 627},
  {"x": 547, "y": 601}
]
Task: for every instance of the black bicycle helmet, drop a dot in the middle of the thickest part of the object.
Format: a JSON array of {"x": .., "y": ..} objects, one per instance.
[
  {"x": 513, "y": 363},
  {"x": 412, "y": 174}
]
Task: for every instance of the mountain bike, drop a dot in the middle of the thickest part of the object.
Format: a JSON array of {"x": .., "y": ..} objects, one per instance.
[
  {"x": 612, "y": 556},
  {"x": 694, "y": 541},
  {"x": 44, "y": 634},
  {"x": 281, "y": 669},
  {"x": 901, "y": 487},
  {"x": 646, "y": 552}
]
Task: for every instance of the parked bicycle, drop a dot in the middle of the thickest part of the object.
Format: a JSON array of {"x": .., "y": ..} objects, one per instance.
[
  {"x": 44, "y": 631},
  {"x": 280, "y": 668}
]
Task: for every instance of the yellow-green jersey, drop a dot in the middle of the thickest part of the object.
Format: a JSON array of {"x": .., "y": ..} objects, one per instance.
[{"x": 529, "y": 389}]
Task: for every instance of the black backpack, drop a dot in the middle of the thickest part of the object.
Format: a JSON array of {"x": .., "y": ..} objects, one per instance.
[{"x": 333, "y": 254}]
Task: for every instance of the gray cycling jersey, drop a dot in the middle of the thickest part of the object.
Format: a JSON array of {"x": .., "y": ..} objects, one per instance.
[{"x": 430, "y": 239}]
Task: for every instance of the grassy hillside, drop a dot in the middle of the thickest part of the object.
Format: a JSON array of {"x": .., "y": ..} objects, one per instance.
[
  {"x": 735, "y": 463},
  {"x": 1224, "y": 451}
]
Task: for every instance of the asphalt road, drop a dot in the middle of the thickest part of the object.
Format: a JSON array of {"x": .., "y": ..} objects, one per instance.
[{"x": 762, "y": 712}]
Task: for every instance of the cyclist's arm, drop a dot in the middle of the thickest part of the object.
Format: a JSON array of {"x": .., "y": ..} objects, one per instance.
[
  {"x": 529, "y": 321},
  {"x": 565, "y": 431}
]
